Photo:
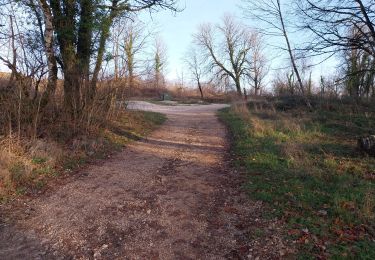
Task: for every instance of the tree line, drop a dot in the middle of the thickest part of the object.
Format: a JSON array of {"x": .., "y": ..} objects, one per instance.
[
  {"x": 55, "y": 39},
  {"x": 48, "y": 40},
  {"x": 235, "y": 52}
]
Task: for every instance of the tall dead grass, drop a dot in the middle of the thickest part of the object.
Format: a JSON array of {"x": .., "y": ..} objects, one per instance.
[
  {"x": 34, "y": 141},
  {"x": 286, "y": 130}
]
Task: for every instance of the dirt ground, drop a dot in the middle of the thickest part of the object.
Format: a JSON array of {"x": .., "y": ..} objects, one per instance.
[{"x": 170, "y": 196}]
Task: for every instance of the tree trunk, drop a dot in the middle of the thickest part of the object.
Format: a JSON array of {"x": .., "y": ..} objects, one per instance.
[
  {"x": 64, "y": 23},
  {"x": 237, "y": 82},
  {"x": 200, "y": 89},
  {"x": 256, "y": 86},
  {"x": 72, "y": 83},
  {"x": 130, "y": 65},
  {"x": 291, "y": 56},
  {"x": 116, "y": 59},
  {"x": 294, "y": 65},
  {"x": 105, "y": 32},
  {"x": 13, "y": 74},
  {"x": 84, "y": 47},
  {"x": 98, "y": 65},
  {"x": 50, "y": 54},
  {"x": 367, "y": 144},
  {"x": 130, "y": 59}
]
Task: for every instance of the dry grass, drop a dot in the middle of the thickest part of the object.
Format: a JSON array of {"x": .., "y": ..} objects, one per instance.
[
  {"x": 39, "y": 144},
  {"x": 240, "y": 108},
  {"x": 28, "y": 165}
]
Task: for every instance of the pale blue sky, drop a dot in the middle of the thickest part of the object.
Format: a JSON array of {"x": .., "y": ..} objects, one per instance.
[{"x": 176, "y": 29}]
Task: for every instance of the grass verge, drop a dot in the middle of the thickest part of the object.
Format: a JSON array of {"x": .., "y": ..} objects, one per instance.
[
  {"x": 28, "y": 166},
  {"x": 180, "y": 102},
  {"x": 306, "y": 168}
]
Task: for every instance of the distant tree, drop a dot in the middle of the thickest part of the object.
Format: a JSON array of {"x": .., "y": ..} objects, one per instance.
[
  {"x": 359, "y": 73},
  {"x": 227, "y": 48},
  {"x": 257, "y": 63},
  {"x": 330, "y": 86},
  {"x": 284, "y": 83},
  {"x": 196, "y": 67},
  {"x": 130, "y": 38},
  {"x": 159, "y": 62}
]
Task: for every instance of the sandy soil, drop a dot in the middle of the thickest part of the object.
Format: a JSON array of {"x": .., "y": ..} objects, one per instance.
[{"x": 171, "y": 196}]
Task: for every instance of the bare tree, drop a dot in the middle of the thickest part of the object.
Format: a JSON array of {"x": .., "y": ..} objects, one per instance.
[
  {"x": 24, "y": 56},
  {"x": 258, "y": 63},
  {"x": 271, "y": 13},
  {"x": 227, "y": 47},
  {"x": 82, "y": 29},
  {"x": 333, "y": 21},
  {"x": 196, "y": 67},
  {"x": 135, "y": 39},
  {"x": 129, "y": 38},
  {"x": 117, "y": 35},
  {"x": 12, "y": 62},
  {"x": 345, "y": 27},
  {"x": 159, "y": 62}
]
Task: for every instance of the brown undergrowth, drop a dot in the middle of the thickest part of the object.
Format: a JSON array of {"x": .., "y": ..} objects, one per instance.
[{"x": 39, "y": 143}]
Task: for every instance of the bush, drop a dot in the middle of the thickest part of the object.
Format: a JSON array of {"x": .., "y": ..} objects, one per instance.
[{"x": 18, "y": 174}]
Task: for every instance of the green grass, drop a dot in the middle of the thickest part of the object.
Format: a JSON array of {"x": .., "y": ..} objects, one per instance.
[
  {"x": 154, "y": 119},
  {"x": 38, "y": 160},
  {"x": 162, "y": 103},
  {"x": 17, "y": 174},
  {"x": 180, "y": 102},
  {"x": 306, "y": 167},
  {"x": 131, "y": 126}
]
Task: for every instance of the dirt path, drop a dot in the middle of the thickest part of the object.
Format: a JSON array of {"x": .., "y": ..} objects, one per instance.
[{"x": 172, "y": 196}]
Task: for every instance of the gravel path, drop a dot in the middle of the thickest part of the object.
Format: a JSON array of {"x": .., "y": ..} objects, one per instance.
[{"x": 171, "y": 196}]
